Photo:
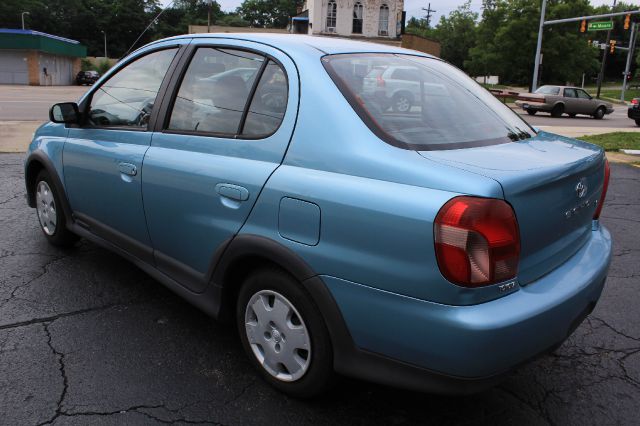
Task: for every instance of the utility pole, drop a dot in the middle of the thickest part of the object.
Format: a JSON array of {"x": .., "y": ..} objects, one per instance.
[
  {"x": 536, "y": 65},
  {"x": 604, "y": 59},
  {"x": 429, "y": 12},
  {"x": 22, "y": 15},
  {"x": 632, "y": 43},
  {"x": 209, "y": 16}
]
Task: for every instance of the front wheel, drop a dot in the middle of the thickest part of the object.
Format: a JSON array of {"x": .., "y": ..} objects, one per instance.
[
  {"x": 50, "y": 213},
  {"x": 284, "y": 334},
  {"x": 599, "y": 113},
  {"x": 531, "y": 111},
  {"x": 637, "y": 121}
]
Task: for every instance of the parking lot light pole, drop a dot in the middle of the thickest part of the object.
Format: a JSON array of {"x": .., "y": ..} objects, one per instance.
[
  {"x": 536, "y": 66},
  {"x": 22, "y": 16},
  {"x": 105, "y": 44}
]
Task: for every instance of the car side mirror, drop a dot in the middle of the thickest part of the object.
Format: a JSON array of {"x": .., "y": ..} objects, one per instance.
[{"x": 65, "y": 112}]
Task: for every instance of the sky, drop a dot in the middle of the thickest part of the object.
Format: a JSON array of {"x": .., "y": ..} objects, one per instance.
[{"x": 414, "y": 7}]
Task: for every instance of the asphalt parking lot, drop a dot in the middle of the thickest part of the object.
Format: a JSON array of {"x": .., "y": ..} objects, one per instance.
[{"x": 87, "y": 338}]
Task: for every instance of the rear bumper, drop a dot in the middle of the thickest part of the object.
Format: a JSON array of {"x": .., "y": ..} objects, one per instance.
[
  {"x": 411, "y": 343},
  {"x": 533, "y": 106},
  {"x": 633, "y": 113}
]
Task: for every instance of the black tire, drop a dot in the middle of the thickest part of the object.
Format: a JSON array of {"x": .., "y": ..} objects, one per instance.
[
  {"x": 60, "y": 236},
  {"x": 599, "y": 114},
  {"x": 319, "y": 375},
  {"x": 401, "y": 102},
  {"x": 572, "y": 115},
  {"x": 637, "y": 121},
  {"x": 531, "y": 111},
  {"x": 557, "y": 111}
]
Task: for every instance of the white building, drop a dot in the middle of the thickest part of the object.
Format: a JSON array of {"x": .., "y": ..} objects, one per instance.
[{"x": 351, "y": 18}]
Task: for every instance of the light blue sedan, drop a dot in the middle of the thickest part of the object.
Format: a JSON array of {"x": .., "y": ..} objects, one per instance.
[{"x": 435, "y": 247}]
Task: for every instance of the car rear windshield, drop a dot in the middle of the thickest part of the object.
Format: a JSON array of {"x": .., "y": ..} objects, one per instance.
[
  {"x": 548, "y": 90},
  {"x": 422, "y": 103}
]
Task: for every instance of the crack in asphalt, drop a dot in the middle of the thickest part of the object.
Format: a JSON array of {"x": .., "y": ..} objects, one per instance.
[
  {"x": 11, "y": 198},
  {"x": 138, "y": 409},
  {"x": 71, "y": 314},
  {"x": 45, "y": 271},
  {"x": 65, "y": 381}
]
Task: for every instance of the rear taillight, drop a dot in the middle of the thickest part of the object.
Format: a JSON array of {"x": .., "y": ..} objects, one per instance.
[
  {"x": 477, "y": 241},
  {"x": 380, "y": 81},
  {"x": 605, "y": 186},
  {"x": 634, "y": 101}
]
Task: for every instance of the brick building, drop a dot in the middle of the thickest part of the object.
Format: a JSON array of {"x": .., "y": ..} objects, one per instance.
[{"x": 38, "y": 59}]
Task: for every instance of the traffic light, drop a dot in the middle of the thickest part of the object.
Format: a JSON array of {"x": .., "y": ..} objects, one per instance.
[
  {"x": 613, "y": 46},
  {"x": 627, "y": 19},
  {"x": 583, "y": 25}
]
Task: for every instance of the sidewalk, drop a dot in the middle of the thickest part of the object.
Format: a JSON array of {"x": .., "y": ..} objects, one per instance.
[
  {"x": 15, "y": 136},
  {"x": 574, "y": 132}
]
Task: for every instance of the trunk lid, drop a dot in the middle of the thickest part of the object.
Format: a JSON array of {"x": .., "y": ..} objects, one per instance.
[
  {"x": 553, "y": 184},
  {"x": 531, "y": 97}
]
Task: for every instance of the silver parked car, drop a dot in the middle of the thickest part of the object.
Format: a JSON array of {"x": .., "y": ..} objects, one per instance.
[{"x": 559, "y": 100}]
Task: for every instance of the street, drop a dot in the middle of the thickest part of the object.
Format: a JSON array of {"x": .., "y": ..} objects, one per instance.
[
  {"x": 87, "y": 338},
  {"x": 32, "y": 103},
  {"x": 618, "y": 119}
]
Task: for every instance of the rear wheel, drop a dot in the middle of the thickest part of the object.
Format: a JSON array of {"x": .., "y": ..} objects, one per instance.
[
  {"x": 599, "y": 113},
  {"x": 557, "y": 111},
  {"x": 637, "y": 122},
  {"x": 50, "y": 213},
  {"x": 401, "y": 102},
  {"x": 531, "y": 111},
  {"x": 283, "y": 333},
  {"x": 572, "y": 115}
]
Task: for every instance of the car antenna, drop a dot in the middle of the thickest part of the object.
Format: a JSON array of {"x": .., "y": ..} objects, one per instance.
[{"x": 148, "y": 26}]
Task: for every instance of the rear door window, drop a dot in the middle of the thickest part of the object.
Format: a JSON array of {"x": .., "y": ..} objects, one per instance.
[
  {"x": 570, "y": 93},
  {"x": 441, "y": 108},
  {"x": 269, "y": 103}
]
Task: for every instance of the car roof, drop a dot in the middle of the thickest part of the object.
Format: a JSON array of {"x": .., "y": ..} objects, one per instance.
[{"x": 297, "y": 44}]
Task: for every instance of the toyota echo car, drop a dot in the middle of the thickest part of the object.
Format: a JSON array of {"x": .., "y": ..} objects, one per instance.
[{"x": 434, "y": 247}]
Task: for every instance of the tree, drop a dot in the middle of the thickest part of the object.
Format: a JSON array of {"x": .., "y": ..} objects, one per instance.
[
  {"x": 506, "y": 42},
  {"x": 457, "y": 34},
  {"x": 268, "y": 13}
]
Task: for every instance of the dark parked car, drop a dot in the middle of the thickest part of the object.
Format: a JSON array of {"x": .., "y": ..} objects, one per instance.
[
  {"x": 634, "y": 110},
  {"x": 87, "y": 77}
]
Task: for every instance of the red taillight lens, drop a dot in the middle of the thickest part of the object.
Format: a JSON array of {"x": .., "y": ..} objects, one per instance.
[
  {"x": 380, "y": 81},
  {"x": 605, "y": 186},
  {"x": 634, "y": 101},
  {"x": 477, "y": 241}
]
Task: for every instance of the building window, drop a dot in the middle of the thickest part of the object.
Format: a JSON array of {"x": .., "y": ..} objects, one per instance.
[
  {"x": 383, "y": 23},
  {"x": 357, "y": 18},
  {"x": 332, "y": 10}
]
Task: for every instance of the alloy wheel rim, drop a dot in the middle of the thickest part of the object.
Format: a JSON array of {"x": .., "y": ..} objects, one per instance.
[
  {"x": 46, "y": 207},
  {"x": 277, "y": 335},
  {"x": 402, "y": 104}
]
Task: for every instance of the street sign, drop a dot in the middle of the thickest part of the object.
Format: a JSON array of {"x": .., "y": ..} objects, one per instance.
[{"x": 600, "y": 26}]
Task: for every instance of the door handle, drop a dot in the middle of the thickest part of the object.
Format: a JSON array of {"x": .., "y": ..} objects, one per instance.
[
  {"x": 128, "y": 169},
  {"x": 234, "y": 192}
]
